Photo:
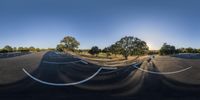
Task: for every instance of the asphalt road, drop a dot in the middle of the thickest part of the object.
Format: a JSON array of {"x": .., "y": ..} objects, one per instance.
[{"x": 62, "y": 76}]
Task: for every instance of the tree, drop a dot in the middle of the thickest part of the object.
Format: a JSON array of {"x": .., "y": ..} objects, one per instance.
[
  {"x": 140, "y": 47},
  {"x": 60, "y": 47},
  {"x": 3, "y": 51},
  {"x": 23, "y": 49},
  {"x": 94, "y": 50},
  {"x": 167, "y": 49},
  {"x": 115, "y": 49},
  {"x": 181, "y": 50},
  {"x": 38, "y": 49},
  {"x": 26, "y": 49},
  {"x": 14, "y": 49},
  {"x": 32, "y": 48},
  {"x": 129, "y": 45},
  {"x": 8, "y": 48},
  {"x": 189, "y": 50},
  {"x": 195, "y": 50},
  {"x": 107, "y": 51},
  {"x": 20, "y": 49},
  {"x": 70, "y": 43},
  {"x": 153, "y": 52}
]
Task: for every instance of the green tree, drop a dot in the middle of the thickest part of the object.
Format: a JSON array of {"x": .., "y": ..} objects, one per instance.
[
  {"x": 26, "y": 49},
  {"x": 198, "y": 50},
  {"x": 181, "y": 50},
  {"x": 189, "y": 50},
  {"x": 70, "y": 43},
  {"x": 38, "y": 49},
  {"x": 140, "y": 47},
  {"x": 94, "y": 50},
  {"x": 167, "y": 49},
  {"x": 14, "y": 49},
  {"x": 115, "y": 49},
  {"x": 106, "y": 50},
  {"x": 20, "y": 49},
  {"x": 23, "y": 49},
  {"x": 195, "y": 50},
  {"x": 60, "y": 47},
  {"x": 129, "y": 45},
  {"x": 8, "y": 48},
  {"x": 32, "y": 48}
]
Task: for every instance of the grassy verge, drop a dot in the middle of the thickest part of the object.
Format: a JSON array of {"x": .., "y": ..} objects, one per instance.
[{"x": 113, "y": 60}]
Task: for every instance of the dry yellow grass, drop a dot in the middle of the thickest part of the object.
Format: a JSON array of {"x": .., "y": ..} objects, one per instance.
[{"x": 113, "y": 60}]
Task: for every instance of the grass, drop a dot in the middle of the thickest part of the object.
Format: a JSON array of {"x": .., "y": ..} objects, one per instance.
[{"x": 112, "y": 60}]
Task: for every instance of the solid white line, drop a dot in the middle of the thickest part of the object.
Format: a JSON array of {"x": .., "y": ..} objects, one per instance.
[
  {"x": 62, "y": 84},
  {"x": 152, "y": 72}
]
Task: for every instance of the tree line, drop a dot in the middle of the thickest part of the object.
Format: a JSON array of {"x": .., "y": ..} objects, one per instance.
[
  {"x": 126, "y": 46},
  {"x": 167, "y": 49},
  {"x": 9, "y": 48}
]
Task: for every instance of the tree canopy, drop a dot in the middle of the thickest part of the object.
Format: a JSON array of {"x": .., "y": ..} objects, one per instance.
[
  {"x": 188, "y": 50},
  {"x": 130, "y": 45},
  {"x": 60, "y": 47},
  {"x": 8, "y": 48},
  {"x": 70, "y": 43},
  {"x": 32, "y": 48},
  {"x": 167, "y": 49},
  {"x": 107, "y": 51},
  {"x": 94, "y": 50}
]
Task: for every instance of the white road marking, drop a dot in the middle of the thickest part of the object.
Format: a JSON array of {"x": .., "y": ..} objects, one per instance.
[
  {"x": 84, "y": 62},
  {"x": 152, "y": 72},
  {"x": 62, "y": 84}
]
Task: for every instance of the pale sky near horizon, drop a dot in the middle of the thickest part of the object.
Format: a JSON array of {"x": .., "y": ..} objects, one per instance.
[{"x": 43, "y": 23}]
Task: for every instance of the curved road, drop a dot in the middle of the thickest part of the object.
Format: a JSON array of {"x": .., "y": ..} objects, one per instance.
[{"x": 62, "y": 76}]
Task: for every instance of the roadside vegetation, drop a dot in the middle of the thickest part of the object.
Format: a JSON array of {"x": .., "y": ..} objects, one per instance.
[
  {"x": 126, "y": 46},
  {"x": 127, "y": 49},
  {"x": 9, "y": 49},
  {"x": 167, "y": 49}
]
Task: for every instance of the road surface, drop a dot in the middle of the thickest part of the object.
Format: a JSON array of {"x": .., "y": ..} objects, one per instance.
[{"x": 52, "y": 75}]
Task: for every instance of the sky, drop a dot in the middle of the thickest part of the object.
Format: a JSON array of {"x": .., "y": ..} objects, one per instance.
[{"x": 43, "y": 23}]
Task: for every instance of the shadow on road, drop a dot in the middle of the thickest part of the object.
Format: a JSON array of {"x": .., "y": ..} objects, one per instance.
[{"x": 126, "y": 83}]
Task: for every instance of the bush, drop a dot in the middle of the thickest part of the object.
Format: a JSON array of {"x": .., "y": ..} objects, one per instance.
[
  {"x": 3, "y": 51},
  {"x": 94, "y": 50}
]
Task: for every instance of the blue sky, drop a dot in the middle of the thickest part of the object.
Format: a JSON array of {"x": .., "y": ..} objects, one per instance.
[{"x": 43, "y": 23}]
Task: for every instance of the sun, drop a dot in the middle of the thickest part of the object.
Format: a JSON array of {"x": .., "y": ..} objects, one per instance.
[{"x": 150, "y": 46}]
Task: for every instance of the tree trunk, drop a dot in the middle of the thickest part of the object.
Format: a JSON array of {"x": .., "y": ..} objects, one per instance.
[{"x": 126, "y": 57}]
